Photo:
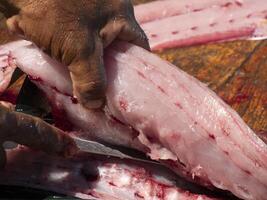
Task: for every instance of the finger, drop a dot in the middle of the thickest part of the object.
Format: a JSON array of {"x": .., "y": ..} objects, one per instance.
[
  {"x": 88, "y": 74},
  {"x": 35, "y": 133},
  {"x": 2, "y": 157},
  {"x": 126, "y": 30},
  {"x": 30, "y": 27}
]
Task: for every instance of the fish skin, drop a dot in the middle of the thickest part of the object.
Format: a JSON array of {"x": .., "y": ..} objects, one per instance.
[{"x": 92, "y": 177}]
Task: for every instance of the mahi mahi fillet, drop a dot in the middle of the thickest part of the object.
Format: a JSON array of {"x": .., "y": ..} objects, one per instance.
[{"x": 157, "y": 108}]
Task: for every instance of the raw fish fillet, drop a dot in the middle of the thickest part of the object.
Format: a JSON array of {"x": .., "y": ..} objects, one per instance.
[
  {"x": 184, "y": 23},
  {"x": 156, "y": 108},
  {"x": 92, "y": 177},
  {"x": 7, "y": 67},
  {"x": 156, "y": 10}
]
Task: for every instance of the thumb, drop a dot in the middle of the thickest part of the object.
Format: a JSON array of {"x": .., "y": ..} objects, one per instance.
[{"x": 88, "y": 74}]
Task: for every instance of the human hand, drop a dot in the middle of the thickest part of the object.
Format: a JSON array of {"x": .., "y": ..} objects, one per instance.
[{"x": 75, "y": 32}]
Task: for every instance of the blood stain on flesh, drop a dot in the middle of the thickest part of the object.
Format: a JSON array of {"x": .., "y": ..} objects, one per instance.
[
  {"x": 194, "y": 28},
  {"x": 123, "y": 104},
  {"x": 227, "y": 5},
  {"x": 178, "y": 105},
  {"x": 212, "y": 136},
  {"x": 175, "y": 32}
]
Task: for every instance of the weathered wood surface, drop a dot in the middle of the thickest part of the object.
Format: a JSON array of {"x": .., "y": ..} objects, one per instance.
[{"x": 236, "y": 71}]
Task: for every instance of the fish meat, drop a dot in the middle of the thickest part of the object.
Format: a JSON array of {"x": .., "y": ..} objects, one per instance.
[
  {"x": 157, "y": 108},
  {"x": 184, "y": 23},
  {"x": 7, "y": 68},
  {"x": 157, "y": 10},
  {"x": 91, "y": 177}
]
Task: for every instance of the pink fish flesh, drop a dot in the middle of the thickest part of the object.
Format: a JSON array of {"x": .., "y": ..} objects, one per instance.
[
  {"x": 155, "y": 107},
  {"x": 184, "y": 23},
  {"x": 156, "y": 10},
  {"x": 7, "y": 67},
  {"x": 91, "y": 177}
]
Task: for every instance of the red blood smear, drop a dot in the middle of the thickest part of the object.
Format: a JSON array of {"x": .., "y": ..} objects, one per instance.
[
  {"x": 161, "y": 193},
  {"x": 225, "y": 132},
  {"x": 160, "y": 188},
  {"x": 61, "y": 120},
  {"x": 197, "y": 9},
  {"x": 226, "y": 152},
  {"x": 116, "y": 120},
  {"x": 238, "y": 3},
  {"x": 3, "y": 69},
  {"x": 123, "y": 104},
  {"x": 212, "y": 136},
  {"x": 178, "y": 105},
  {"x": 56, "y": 90},
  {"x": 141, "y": 74},
  {"x": 35, "y": 78},
  {"x": 161, "y": 89},
  {"x": 9, "y": 97},
  {"x": 152, "y": 139},
  {"x": 175, "y": 32},
  {"x": 240, "y": 98},
  {"x": 247, "y": 172},
  {"x": 227, "y": 5},
  {"x": 112, "y": 184},
  {"x": 153, "y": 35},
  {"x": 249, "y": 15},
  {"x": 213, "y": 24},
  {"x": 74, "y": 100},
  {"x": 138, "y": 195},
  {"x": 231, "y": 20},
  {"x": 194, "y": 28}
]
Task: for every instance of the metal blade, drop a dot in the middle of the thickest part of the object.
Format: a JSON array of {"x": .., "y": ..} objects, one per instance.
[{"x": 108, "y": 150}]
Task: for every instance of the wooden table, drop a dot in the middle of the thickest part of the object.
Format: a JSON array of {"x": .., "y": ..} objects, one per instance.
[{"x": 236, "y": 71}]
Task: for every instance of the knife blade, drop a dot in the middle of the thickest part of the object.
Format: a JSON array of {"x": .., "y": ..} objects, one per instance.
[{"x": 111, "y": 151}]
